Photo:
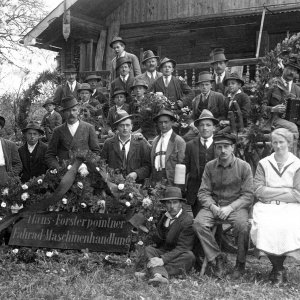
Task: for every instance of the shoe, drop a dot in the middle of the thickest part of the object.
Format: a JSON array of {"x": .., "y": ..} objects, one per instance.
[
  {"x": 279, "y": 277},
  {"x": 272, "y": 274},
  {"x": 158, "y": 279},
  {"x": 220, "y": 266},
  {"x": 239, "y": 271}
]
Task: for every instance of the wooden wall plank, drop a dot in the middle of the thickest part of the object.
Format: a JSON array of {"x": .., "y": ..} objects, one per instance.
[
  {"x": 90, "y": 55},
  {"x": 100, "y": 51},
  {"x": 82, "y": 66},
  {"x": 113, "y": 30}
]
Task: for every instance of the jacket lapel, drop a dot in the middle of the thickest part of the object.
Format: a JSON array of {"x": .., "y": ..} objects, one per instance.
[
  {"x": 195, "y": 151},
  {"x": 171, "y": 145},
  {"x": 132, "y": 149},
  {"x": 116, "y": 147},
  {"x": 154, "y": 144}
]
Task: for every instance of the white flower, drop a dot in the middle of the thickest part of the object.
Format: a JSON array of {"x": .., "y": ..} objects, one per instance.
[
  {"x": 64, "y": 200},
  {"x": 83, "y": 170},
  {"x": 3, "y": 204},
  {"x": 83, "y": 205},
  {"x": 24, "y": 186},
  {"x": 40, "y": 181},
  {"x": 140, "y": 243},
  {"x": 130, "y": 195},
  {"x": 15, "y": 208},
  {"x": 24, "y": 196},
  {"x": 1, "y": 218},
  {"x": 5, "y": 192},
  {"x": 98, "y": 169},
  {"x": 127, "y": 203},
  {"x": 15, "y": 251},
  {"x": 128, "y": 261},
  {"x": 150, "y": 219},
  {"x": 80, "y": 185},
  {"x": 49, "y": 253},
  {"x": 69, "y": 167},
  {"x": 121, "y": 186},
  {"x": 51, "y": 208},
  {"x": 107, "y": 257},
  {"x": 55, "y": 252},
  {"x": 147, "y": 202},
  {"x": 54, "y": 171}
]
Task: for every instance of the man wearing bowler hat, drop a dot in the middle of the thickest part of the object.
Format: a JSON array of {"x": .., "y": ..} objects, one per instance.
[
  {"x": 150, "y": 61},
  {"x": 226, "y": 193},
  {"x": 118, "y": 44},
  {"x": 130, "y": 156},
  {"x": 167, "y": 149},
  {"x": 51, "y": 119},
  {"x": 70, "y": 136},
  {"x": 198, "y": 152},
  {"x": 32, "y": 153},
  {"x": 175, "y": 89},
  {"x": 69, "y": 88},
  {"x": 219, "y": 64},
  {"x": 175, "y": 239},
  {"x": 94, "y": 81},
  {"x": 10, "y": 162}
]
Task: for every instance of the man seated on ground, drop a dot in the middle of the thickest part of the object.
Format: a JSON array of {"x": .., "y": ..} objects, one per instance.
[
  {"x": 72, "y": 135},
  {"x": 32, "y": 153},
  {"x": 128, "y": 155},
  {"x": 208, "y": 99},
  {"x": 175, "y": 238},
  {"x": 226, "y": 193}
]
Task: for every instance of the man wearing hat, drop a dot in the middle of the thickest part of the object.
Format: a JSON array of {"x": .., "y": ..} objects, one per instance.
[
  {"x": 276, "y": 97},
  {"x": 175, "y": 89},
  {"x": 51, "y": 119},
  {"x": 69, "y": 88},
  {"x": 226, "y": 193},
  {"x": 219, "y": 64},
  {"x": 150, "y": 62},
  {"x": 168, "y": 148},
  {"x": 70, "y": 136},
  {"x": 199, "y": 151},
  {"x": 208, "y": 99},
  {"x": 94, "y": 81},
  {"x": 32, "y": 153},
  {"x": 10, "y": 162},
  {"x": 175, "y": 239},
  {"x": 118, "y": 44},
  {"x": 125, "y": 80},
  {"x": 128, "y": 155}
]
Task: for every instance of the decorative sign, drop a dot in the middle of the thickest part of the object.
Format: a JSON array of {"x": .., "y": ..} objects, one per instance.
[{"x": 96, "y": 232}]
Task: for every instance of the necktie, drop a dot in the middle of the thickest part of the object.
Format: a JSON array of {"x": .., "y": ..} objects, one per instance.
[
  {"x": 205, "y": 143},
  {"x": 152, "y": 79},
  {"x": 124, "y": 159},
  {"x": 218, "y": 79},
  {"x": 166, "y": 81}
]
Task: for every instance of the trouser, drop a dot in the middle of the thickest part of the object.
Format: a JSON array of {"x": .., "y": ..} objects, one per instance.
[
  {"x": 158, "y": 176},
  {"x": 205, "y": 220},
  {"x": 181, "y": 264}
]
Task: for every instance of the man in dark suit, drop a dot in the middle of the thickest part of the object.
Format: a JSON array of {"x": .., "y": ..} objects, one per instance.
[
  {"x": 10, "y": 162},
  {"x": 123, "y": 152},
  {"x": 150, "y": 61},
  {"x": 70, "y": 136},
  {"x": 175, "y": 89},
  {"x": 219, "y": 64},
  {"x": 32, "y": 153},
  {"x": 69, "y": 88},
  {"x": 198, "y": 152},
  {"x": 125, "y": 80},
  {"x": 118, "y": 44},
  {"x": 175, "y": 238},
  {"x": 51, "y": 119}
]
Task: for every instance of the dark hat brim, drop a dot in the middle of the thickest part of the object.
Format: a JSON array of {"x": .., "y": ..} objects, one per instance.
[
  {"x": 52, "y": 102},
  {"x": 234, "y": 78},
  {"x": 169, "y": 60},
  {"x": 198, "y": 82},
  {"x": 117, "y": 41},
  {"x": 65, "y": 108},
  {"x": 41, "y": 131},
  {"x": 92, "y": 77},
  {"x": 214, "y": 120},
  {"x": 119, "y": 92},
  {"x": 143, "y": 85},
  {"x": 154, "y": 56},
  {"x": 172, "y": 198},
  {"x": 124, "y": 62},
  {"x": 123, "y": 119},
  {"x": 90, "y": 90},
  {"x": 164, "y": 114}
]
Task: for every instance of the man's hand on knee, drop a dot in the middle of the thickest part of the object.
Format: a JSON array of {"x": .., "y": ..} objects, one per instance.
[
  {"x": 155, "y": 262},
  {"x": 215, "y": 210},
  {"x": 225, "y": 212}
]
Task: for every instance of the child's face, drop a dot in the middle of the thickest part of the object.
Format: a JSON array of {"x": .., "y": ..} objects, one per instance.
[
  {"x": 120, "y": 99},
  {"x": 139, "y": 91},
  {"x": 233, "y": 85}
]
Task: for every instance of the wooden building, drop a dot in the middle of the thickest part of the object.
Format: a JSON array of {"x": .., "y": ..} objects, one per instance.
[{"x": 185, "y": 30}]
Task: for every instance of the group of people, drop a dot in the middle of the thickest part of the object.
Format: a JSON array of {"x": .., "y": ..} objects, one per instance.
[{"x": 219, "y": 186}]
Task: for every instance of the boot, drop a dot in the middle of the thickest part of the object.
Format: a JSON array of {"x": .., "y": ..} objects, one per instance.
[
  {"x": 239, "y": 271},
  {"x": 220, "y": 269}
]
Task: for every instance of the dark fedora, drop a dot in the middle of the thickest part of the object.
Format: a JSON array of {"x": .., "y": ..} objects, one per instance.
[
  {"x": 92, "y": 77},
  {"x": 116, "y": 39},
  {"x": 172, "y": 193},
  {"x": 165, "y": 112},
  {"x": 204, "y": 76},
  {"x": 35, "y": 126},
  {"x": 2, "y": 121},
  {"x": 70, "y": 69},
  {"x": 234, "y": 76},
  {"x": 165, "y": 60},
  {"x": 224, "y": 138},
  {"x": 139, "y": 82},
  {"x": 206, "y": 115},
  {"x": 121, "y": 61},
  {"x": 49, "y": 101},
  {"x": 68, "y": 102},
  {"x": 118, "y": 92},
  {"x": 148, "y": 55},
  {"x": 293, "y": 62},
  {"x": 85, "y": 87},
  {"x": 218, "y": 55},
  {"x": 121, "y": 116}
]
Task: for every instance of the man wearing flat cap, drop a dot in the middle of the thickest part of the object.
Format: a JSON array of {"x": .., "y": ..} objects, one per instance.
[
  {"x": 175, "y": 89},
  {"x": 226, "y": 193},
  {"x": 33, "y": 152},
  {"x": 51, "y": 119},
  {"x": 150, "y": 62},
  {"x": 124, "y": 153},
  {"x": 167, "y": 149},
  {"x": 175, "y": 238},
  {"x": 72, "y": 135},
  {"x": 118, "y": 44},
  {"x": 10, "y": 162}
]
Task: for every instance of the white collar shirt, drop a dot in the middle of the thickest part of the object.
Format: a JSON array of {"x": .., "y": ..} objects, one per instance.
[
  {"x": 232, "y": 96},
  {"x": 221, "y": 77},
  {"x": 167, "y": 80},
  {"x": 205, "y": 96},
  {"x": 124, "y": 78},
  {"x": 209, "y": 141},
  {"x": 161, "y": 149},
  {"x": 31, "y": 148},
  {"x": 288, "y": 84},
  {"x": 171, "y": 219},
  {"x": 73, "y": 127},
  {"x": 2, "y": 159},
  {"x": 149, "y": 74},
  {"x": 72, "y": 86},
  {"x": 127, "y": 145}
]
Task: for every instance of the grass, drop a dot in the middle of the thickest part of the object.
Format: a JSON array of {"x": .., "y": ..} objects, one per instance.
[{"x": 75, "y": 275}]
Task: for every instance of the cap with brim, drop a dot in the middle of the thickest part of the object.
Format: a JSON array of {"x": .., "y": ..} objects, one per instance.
[
  {"x": 118, "y": 92},
  {"x": 122, "y": 115},
  {"x": 165, "y": 112},
  {"x": 148, "y": 55},
  {"x": 70, "y": 69},
  {"x": 121, "y": 61},
  {"x": 116, "y": 39},
  {"x": 68, "y": 102},
  {"x": 85, "y": 87},
  {"x": 139, "y": 82},
  {"x": 234, "y": 76},
  {"x": 2, "y": 121},
  {"x": 93, "y": 77},
  {"x": 206, "y": 115},
  {"x": 218, "y": 55},
  {"x": 224, "y": 138},
  {"x": 172, "y": 193},
  {"x": 204, "y": 76},
  {"x": 35, "y": 126},
  {"x": 49, "y": 101},
  {"x": 165, "y": 60}
]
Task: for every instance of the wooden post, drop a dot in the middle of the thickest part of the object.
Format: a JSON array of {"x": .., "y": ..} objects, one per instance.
[
  {"x": 159, "y": 52},
  {"x": 82, "y": 57},
  {"x": 141, "y": 54},
  {"x": 260, "y": 32},
  {"x": 100, "y": 51},
  {"x": 89, "y": 55},
  {"x": 113, "y": 31}
]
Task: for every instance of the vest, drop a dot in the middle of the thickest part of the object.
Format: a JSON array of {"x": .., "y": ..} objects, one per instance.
[
  {"x": 202, "y": 105},
  {"x": 170, "y": 92}
]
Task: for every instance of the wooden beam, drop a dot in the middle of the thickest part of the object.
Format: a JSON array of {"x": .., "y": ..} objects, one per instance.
[
  {"x": 82, "y": 66},
  {"x": 89, "y": 55},
  {"x": 100, "y": 51},
  {"x": 113, "y": 30}
]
